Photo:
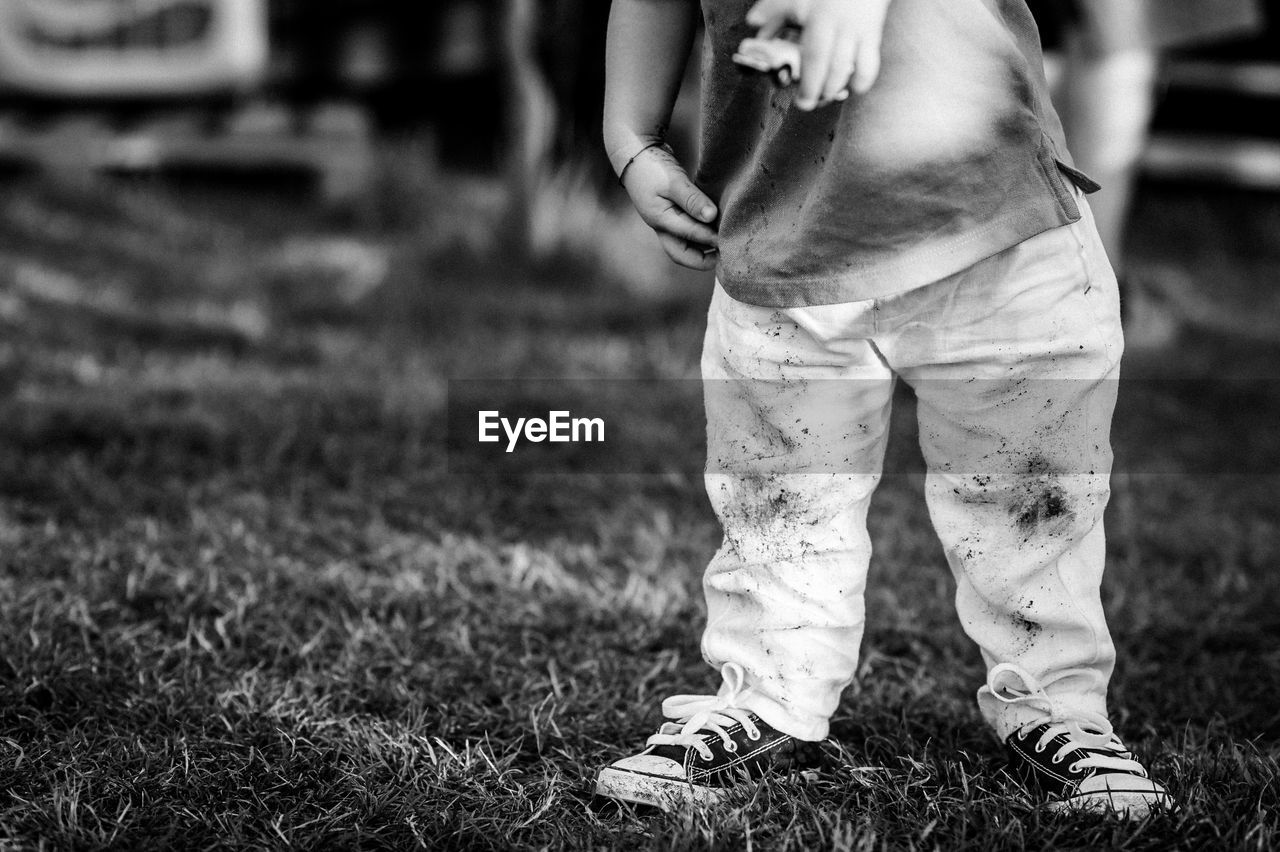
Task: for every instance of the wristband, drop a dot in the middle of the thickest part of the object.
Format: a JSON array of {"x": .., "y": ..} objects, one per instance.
[{"x": 622, "y": 174}]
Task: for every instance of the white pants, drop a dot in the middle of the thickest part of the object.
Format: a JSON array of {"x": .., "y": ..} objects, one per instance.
[{"x": 1014, "y": 363}]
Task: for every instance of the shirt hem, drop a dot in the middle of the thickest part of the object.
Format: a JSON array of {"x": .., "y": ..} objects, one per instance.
[{"x": 915, "y": 268}]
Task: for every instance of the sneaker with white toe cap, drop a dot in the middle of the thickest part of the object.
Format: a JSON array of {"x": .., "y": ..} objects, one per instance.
[
  {"x": 1075, "y": 761},
  {"x": 711, "y": 748}
]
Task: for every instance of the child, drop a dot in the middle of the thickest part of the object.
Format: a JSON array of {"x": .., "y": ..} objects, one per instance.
[{"x": 928, "y": 225}]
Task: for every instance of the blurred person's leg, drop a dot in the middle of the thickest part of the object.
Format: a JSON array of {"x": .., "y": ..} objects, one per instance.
[
  {"x": 1106, "y": 103},
  {"x": 1111, "y": 51},
  {"x": 1106, "y": 100},
  {"x": 1102, "y": 75}
]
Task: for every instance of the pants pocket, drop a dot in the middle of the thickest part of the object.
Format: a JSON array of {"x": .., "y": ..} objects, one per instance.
[{"x": 1100, "y": 291}]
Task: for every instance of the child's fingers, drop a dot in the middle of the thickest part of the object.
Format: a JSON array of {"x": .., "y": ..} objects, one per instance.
[
  {"x": 770, "y": 16},
  {"x": 690, "y": 199},
  {"x": 816, "y": 47},
  {"x": 675, "y": 221},
  {"x": 761, "y": 12},
  {"x": 772, "y": 26},
  {"x": 868, "y": 65},
  {"x": 843, "y": 59},
  {"x": 688, "y": 254}
]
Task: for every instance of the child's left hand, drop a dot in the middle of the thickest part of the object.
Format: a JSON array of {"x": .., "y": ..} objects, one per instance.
[{"x": 839, "y": 43}]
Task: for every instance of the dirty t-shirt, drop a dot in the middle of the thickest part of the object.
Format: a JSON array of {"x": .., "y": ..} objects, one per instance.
[{"x": 954, "y": 155}]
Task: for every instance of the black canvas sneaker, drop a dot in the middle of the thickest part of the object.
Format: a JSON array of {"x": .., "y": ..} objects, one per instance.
[
  {"x": 710, "y": 749},
  {"x": 1074, "y": 760},
  {"x": 1066, "y": 766}
]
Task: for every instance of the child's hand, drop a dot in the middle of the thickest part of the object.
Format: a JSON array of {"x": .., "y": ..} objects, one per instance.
[
  {"x": 679, "y": 212},
  {"x": 839, "y": 43}
]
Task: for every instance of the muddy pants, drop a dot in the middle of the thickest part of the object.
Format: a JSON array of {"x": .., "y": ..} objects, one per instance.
[{"x": 1014, "y": 363}]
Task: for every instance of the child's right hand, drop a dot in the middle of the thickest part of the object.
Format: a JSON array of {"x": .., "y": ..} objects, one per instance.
[
  {"x": 839, "y": 45},
  {"x": 680, "y": 214}
]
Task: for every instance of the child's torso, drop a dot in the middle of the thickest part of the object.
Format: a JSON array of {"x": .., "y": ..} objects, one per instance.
[{"x": 895, "y": 184}]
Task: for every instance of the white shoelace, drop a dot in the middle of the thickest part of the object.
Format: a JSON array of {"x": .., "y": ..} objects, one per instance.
[
  {"x": 1100, "y": 735},
  {"x": 694, "y": 716}
]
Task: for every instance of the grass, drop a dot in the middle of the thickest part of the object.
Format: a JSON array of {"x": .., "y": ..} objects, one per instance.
[{"x": 243, "y": 602}]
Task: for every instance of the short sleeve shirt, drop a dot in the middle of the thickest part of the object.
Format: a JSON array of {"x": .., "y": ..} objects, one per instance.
[{"x": 954, "y": 155}]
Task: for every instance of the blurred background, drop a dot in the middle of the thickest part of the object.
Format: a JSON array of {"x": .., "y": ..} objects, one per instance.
[
  {"x": 245, "y": 245},
  {"x": 502, "y": 95}
]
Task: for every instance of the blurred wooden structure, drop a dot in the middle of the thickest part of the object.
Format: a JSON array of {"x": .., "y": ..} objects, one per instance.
[
  {"x": 334, "y": 149},
  {"x": 511, "y": 87},
  {"x": 131, "y": 48},
  {"x": 80, "y": 60}
]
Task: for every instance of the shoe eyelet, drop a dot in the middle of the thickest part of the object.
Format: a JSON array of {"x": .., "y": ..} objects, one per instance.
[
  {"x": 1040, "y": 747},
  {"x": 1074, "y": 767},
  {"x": 731, "y": 747},
  {"x": 1057, "y": 759},
  {"x": 753, "y": 734},
  {"x": 706, "y": 758}
]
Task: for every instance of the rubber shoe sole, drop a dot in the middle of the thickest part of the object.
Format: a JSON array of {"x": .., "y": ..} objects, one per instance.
[
  {"x": 1125, "y": 804},
  {"x": 671, "y": 793},
  {"x": 655, "y": 791}
]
